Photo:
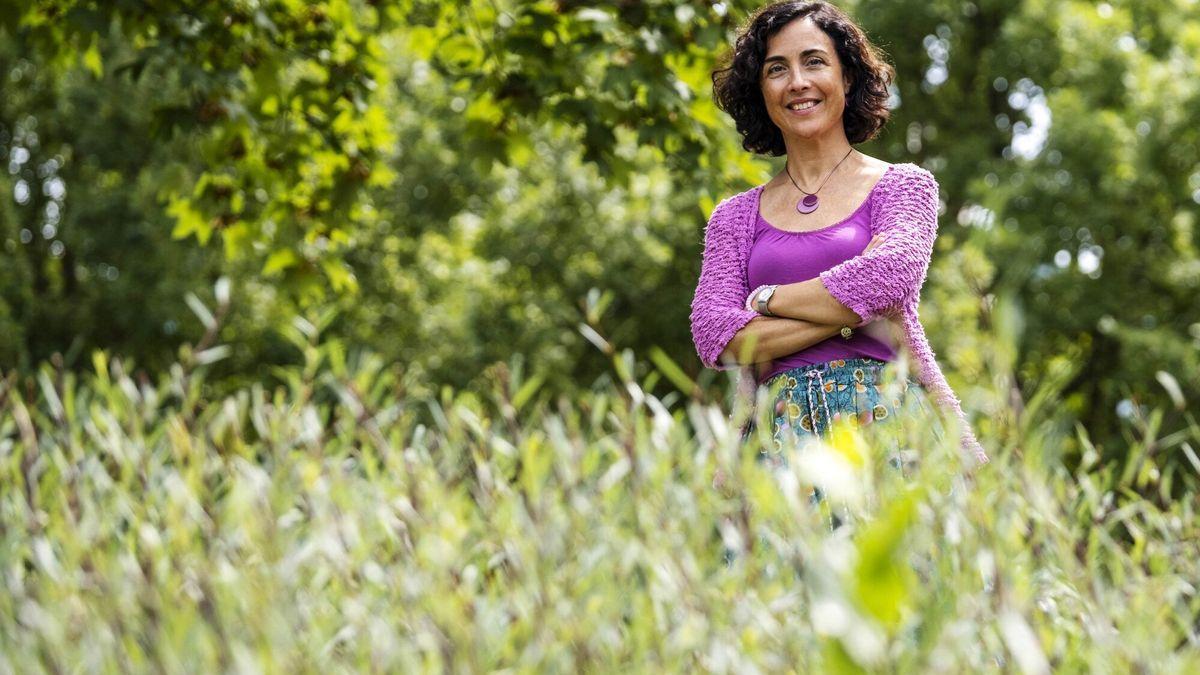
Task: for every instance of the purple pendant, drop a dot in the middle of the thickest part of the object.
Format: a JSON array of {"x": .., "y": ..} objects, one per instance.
[{"x": 807, "y": 205}]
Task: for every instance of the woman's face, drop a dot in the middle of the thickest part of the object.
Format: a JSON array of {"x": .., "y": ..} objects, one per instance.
[{"x": 802, "y": 67}]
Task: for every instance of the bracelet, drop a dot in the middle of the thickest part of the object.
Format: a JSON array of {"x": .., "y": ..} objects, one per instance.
[
  {"x": 764, "y": 297},
  {"x": 753, "y": 294}
]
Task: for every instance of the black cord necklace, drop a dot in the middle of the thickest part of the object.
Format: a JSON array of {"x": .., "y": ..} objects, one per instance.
[{"x": 809, "y": 202}]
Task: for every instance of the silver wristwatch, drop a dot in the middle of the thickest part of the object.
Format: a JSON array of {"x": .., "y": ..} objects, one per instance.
[{"x": 764, "y": 297}]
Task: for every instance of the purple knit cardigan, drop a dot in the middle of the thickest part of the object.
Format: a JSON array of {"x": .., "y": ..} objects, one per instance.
[{"x": 884, "y": 281}]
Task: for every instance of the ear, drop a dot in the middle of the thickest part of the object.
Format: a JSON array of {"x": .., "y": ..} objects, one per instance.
[{"x": 848, "y": 83}]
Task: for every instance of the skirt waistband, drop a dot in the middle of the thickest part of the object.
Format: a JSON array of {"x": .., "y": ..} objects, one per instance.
[{"x": 829, "y": 366}]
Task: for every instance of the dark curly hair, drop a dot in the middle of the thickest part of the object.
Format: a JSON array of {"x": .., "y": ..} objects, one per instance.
[{"x": 737, "y": 89}]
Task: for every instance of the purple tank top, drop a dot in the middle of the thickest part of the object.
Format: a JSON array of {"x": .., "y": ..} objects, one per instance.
[{"x": 782, "y": 257}]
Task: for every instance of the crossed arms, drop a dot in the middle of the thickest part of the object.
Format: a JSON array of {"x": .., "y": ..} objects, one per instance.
[{"x": 855, "y": 292}]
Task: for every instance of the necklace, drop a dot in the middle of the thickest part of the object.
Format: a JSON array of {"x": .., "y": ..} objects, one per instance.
[{"x": 809, "y": 202}]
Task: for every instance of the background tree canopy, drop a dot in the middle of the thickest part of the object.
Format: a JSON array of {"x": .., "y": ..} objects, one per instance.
[{"x": 455, "y": 179}]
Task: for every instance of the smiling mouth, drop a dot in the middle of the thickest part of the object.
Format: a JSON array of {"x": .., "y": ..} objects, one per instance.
[{"x": 803, "y": 107}]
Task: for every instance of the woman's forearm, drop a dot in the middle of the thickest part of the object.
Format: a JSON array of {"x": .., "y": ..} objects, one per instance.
[
  {"x": 774, "y": 337},
  {"x": 810, "y": 301}
]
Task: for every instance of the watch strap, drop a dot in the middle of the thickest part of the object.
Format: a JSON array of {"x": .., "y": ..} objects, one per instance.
[{"x": 764, "y": 297}]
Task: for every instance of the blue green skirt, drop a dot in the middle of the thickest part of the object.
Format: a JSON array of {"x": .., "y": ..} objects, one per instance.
[{"x": 861, "y": 391}]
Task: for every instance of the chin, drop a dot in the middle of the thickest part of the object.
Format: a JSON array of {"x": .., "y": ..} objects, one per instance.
[{"x": 810, "y": 133}]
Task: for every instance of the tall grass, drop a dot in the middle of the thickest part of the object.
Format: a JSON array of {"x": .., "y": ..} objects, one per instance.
[{"x": 321, "y": 525}]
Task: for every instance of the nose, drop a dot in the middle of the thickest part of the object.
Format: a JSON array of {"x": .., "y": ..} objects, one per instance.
[{"x": 798, "y": 81}]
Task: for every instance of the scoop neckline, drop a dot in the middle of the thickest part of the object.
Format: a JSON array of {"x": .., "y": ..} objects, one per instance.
[{"x": 843, "y": 221}]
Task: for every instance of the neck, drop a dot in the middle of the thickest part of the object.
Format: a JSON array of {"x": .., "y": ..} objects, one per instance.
[{"x": 810, "y": 160}]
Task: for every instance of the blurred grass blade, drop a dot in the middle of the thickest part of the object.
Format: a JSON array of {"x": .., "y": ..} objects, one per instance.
[
  {"x": 213, "y": 354},
  {"x": 201, "y": 311},
  {"x": 1169, "y": 383},
  {"x": 597, "y": 304},
  {"x": 527, "y": 390},
  {"x": 672, "y": 371},
  {"x": 221, "y": 291},
  {"x": 595, "y": 338}
]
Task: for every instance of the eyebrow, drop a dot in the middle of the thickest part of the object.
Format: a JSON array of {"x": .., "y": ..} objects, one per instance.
[{"x": 780, "y": 57}]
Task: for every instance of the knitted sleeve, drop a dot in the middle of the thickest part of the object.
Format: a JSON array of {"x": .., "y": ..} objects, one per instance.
[
  {"x": 931, "y": 376},
  {"x": 718, "y": 310},
  {"x": 876, "y": 283}
]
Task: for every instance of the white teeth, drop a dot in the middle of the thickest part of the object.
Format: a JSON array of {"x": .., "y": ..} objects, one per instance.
[{"x": 803, "y": 106}]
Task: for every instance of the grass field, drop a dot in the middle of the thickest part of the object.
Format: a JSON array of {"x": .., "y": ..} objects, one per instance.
[{"x": 321, "y": 527}]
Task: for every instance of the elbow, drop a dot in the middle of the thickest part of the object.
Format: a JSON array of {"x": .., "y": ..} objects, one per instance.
[
  {"x": 865, "y": 299},
  {"x": 729, "y": 354},
  {"x": 856, "y": 303},
  {"x": 708, "y": 352},
  {"x": 741, "y": 349},
  {"x": 714, "y": 345},
  {"x": 717, "y": 356},
  {"x": 854, "y": 317}
]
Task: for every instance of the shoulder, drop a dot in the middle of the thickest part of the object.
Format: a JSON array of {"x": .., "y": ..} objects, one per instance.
[
  {"x": 912, "y": 175},
  {"x": 906, "y": 182},
  {"x": 733, "y": 209},
  {"x": 909, "y": 172},
  {"x": 737, "y": 203}
]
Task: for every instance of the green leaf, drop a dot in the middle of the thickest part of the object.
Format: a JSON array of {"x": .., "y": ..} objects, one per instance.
[
  {"x": 672, "y": 371},
  {"x": 188, "y": 221},
  {"x": 100, "y": 363},
  {"x": 280, "y": 260},
  {"x": 527, "y": 390},
  {"x": 341, "y": 277},
  {"x": 92, "y": 60},
  {"x": 462, "y": 51},
  {"x": 883, "y": 580},
  {"x": 535, "y": 466}
]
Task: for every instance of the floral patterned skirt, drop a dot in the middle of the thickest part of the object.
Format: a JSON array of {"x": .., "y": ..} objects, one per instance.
[{"x": 861, "y": 391}]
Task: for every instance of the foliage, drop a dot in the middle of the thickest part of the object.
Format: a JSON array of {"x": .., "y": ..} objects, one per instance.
[
  {"x": 90, "y": 259},
  {"x": 1089, "y": 227},
  {"x": 602, "y": 68},
  {"x": 475, "y": 268},
  {"x": 281, "y": 102},
  {"x": 322, "y": 525},
  {"x": 534, "y": 151}
]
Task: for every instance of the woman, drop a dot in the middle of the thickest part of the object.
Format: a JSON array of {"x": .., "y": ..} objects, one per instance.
[{"x": 814, "y": 277}]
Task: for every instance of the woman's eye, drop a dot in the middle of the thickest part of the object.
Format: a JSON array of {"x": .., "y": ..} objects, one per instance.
[{"x": 778, "y": 67}]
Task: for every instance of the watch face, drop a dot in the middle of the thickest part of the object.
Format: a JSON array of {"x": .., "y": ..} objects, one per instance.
[{"x": 764, "y": 298}]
